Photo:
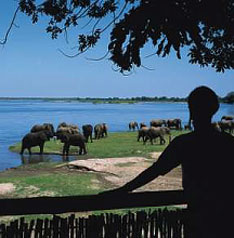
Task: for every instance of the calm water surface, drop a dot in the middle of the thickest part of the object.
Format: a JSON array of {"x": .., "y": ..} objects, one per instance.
[{"x": 18, "y": 116}]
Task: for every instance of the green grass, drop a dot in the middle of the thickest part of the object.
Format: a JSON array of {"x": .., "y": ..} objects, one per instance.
[
  {"x": 122, "y": 144},
  {"x": 54, "y": 184},
  {"x": 52, "y": 179}
]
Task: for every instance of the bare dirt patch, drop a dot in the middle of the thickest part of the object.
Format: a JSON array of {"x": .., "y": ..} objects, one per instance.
[
  {"x": 119, "y": 171},
  {"x": 6, "y": 188}
]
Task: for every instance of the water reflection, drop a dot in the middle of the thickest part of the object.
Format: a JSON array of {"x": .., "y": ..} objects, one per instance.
[
  {"x": 38, "y": 158},
  {"x": 34, "y": 159}
]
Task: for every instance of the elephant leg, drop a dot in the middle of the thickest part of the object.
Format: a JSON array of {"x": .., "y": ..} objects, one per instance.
[
  {"x": 29, "y": 150},
  {"x": 91, "y": 139},
  {"x": 80, "y": 150},
  {"x": 169, "y": 138},
  {"x": 162, "y": 140},
  {"x": 41, "y": 148},
  {"x": 138, "y": 138},
  {"x": 151, "y": 141},
  {"x": 85, "y": 151},
  {"x": 64, "y": 149},
  {"x": 67, "y": 149}
]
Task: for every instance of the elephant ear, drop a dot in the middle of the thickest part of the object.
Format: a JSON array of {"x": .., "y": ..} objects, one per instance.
[{"x": 65, "y": 137}]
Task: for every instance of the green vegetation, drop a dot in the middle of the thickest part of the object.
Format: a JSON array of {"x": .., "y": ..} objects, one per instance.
[
  {"x": 49, "y": 183},
  {"x": 120, "y": 144},
  {"x": 116, "y": 100},
  {"x": 108, "y": 100},
  {"x": 229, "y": 98},
  {"x": 55, "y": 179}
]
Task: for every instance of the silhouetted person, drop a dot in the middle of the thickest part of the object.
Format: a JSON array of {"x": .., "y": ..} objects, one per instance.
[{"x": 206, "y": 157}]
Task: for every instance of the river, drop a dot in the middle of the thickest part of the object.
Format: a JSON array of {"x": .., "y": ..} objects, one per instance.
[{"x": 18, "y": 116}]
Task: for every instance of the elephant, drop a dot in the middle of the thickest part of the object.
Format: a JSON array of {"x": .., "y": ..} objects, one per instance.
[
  {"x": 174, "y": 123},
  {"x": 64, "y": 124},
  {"x": 72, "y": 140},
  {"x": 155, "y": 132},
  {"x": 43, "y": 127},
  {"x": 227, "y": 118},
  {"x": 142, "y": 133},
  {"x": 188, "y": 127},
  {"x": 216, "y": 126},
  {"x": 68, "y": 128},
  {"x": 142, "y": 124},
  {"x": 104, "y": 129},
  {"x": 100, "y": 130},
  {"x": 226, "y": 125},
  {"x": 158, "y": 122},
  {"x": 87, "y": 132},
  {"x": 133, "y": 125},
  {"x": 35, "y": 139}
]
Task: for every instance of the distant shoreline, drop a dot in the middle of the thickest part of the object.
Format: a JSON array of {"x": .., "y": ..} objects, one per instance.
[{"x": 109, "y": 100}]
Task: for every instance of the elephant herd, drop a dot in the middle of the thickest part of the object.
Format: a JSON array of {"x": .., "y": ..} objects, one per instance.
[
  {"x": 158, "y": 129},
  {"x": 68, "y": 134},
  {"x": 170, "y": 123},
  {"x": 226, "y": 124}
]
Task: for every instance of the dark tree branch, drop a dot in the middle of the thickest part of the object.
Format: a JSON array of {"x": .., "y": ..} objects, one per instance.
[
  {"x": 205, "y": 27},
  {"x": 4, "y": 41}
]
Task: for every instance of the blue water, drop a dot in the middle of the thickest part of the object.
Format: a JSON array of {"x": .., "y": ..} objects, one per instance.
[{"x": 18, "y": 116}]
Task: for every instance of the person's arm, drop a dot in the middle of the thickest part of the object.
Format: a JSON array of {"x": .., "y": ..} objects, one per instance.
[
  {"x": 143, "y": 178},
  {"x": 166, "y": 162}
]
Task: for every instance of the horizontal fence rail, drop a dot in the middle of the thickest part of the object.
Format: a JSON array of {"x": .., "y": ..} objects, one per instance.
[{"x": 57, "y": 205}]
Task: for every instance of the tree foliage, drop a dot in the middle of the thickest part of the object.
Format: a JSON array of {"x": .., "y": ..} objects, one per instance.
[
  {"x": 205, "y": 27},
  {"x": 229, "y": 98}
]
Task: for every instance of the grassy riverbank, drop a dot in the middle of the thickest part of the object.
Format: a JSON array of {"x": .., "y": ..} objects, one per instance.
[
  {"x": 55, "y": 179},
  {"x": 121, "y": 144}
]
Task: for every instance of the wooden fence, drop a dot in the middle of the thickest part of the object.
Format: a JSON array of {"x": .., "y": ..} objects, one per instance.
[{"x": 157, "y": 223}]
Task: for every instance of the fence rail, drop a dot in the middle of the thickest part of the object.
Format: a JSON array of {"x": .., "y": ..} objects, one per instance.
[{"x": 58, "y": 205}]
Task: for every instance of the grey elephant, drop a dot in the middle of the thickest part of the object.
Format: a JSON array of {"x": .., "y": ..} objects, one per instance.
[
  {"x": 158, "y": 122},
  {"x": 227, "y": 118},
  {"x": 142, "y": 124},
  {"x": 216, "y": 126},
  {"x": 142, "y": 133},
  {"x": 155, "y": 132},
  {"x": 87, "y": 132},
  {"x": 68, "y": 128},
  {"x": 133, "y": 125},
  {"x": 35, "y": 139},
  {"x": 174, "y": 123},
  {"x": 104, "y": 129},
  {"x": 100, "y": 130},
  {"x": 188, "y": 127},
  {"x": 72, "y": 140},
  {"x": 64, "y": 124},
  {"x": 226, "y": 125},
  {"x": 43, "y": 127}
]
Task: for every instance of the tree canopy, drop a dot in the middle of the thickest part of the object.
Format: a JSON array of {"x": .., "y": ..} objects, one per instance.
[
  {"x": 229, "y": 98},
  {"x": 204, "y": 27}
]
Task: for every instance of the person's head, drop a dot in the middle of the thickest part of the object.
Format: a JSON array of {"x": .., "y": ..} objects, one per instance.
[{"x": 203, "y": 104}]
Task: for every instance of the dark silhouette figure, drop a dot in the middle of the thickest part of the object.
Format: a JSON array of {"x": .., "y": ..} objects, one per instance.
[{"x": 206, "y": 157}]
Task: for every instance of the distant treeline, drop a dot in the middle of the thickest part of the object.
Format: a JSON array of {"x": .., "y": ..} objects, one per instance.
[
  {"x": 229, "y": 98},
  {"x": 132, "y": 99}
]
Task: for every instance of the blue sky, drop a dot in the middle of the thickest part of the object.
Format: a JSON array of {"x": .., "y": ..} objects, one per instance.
[{"x": 32, "y": 66}]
